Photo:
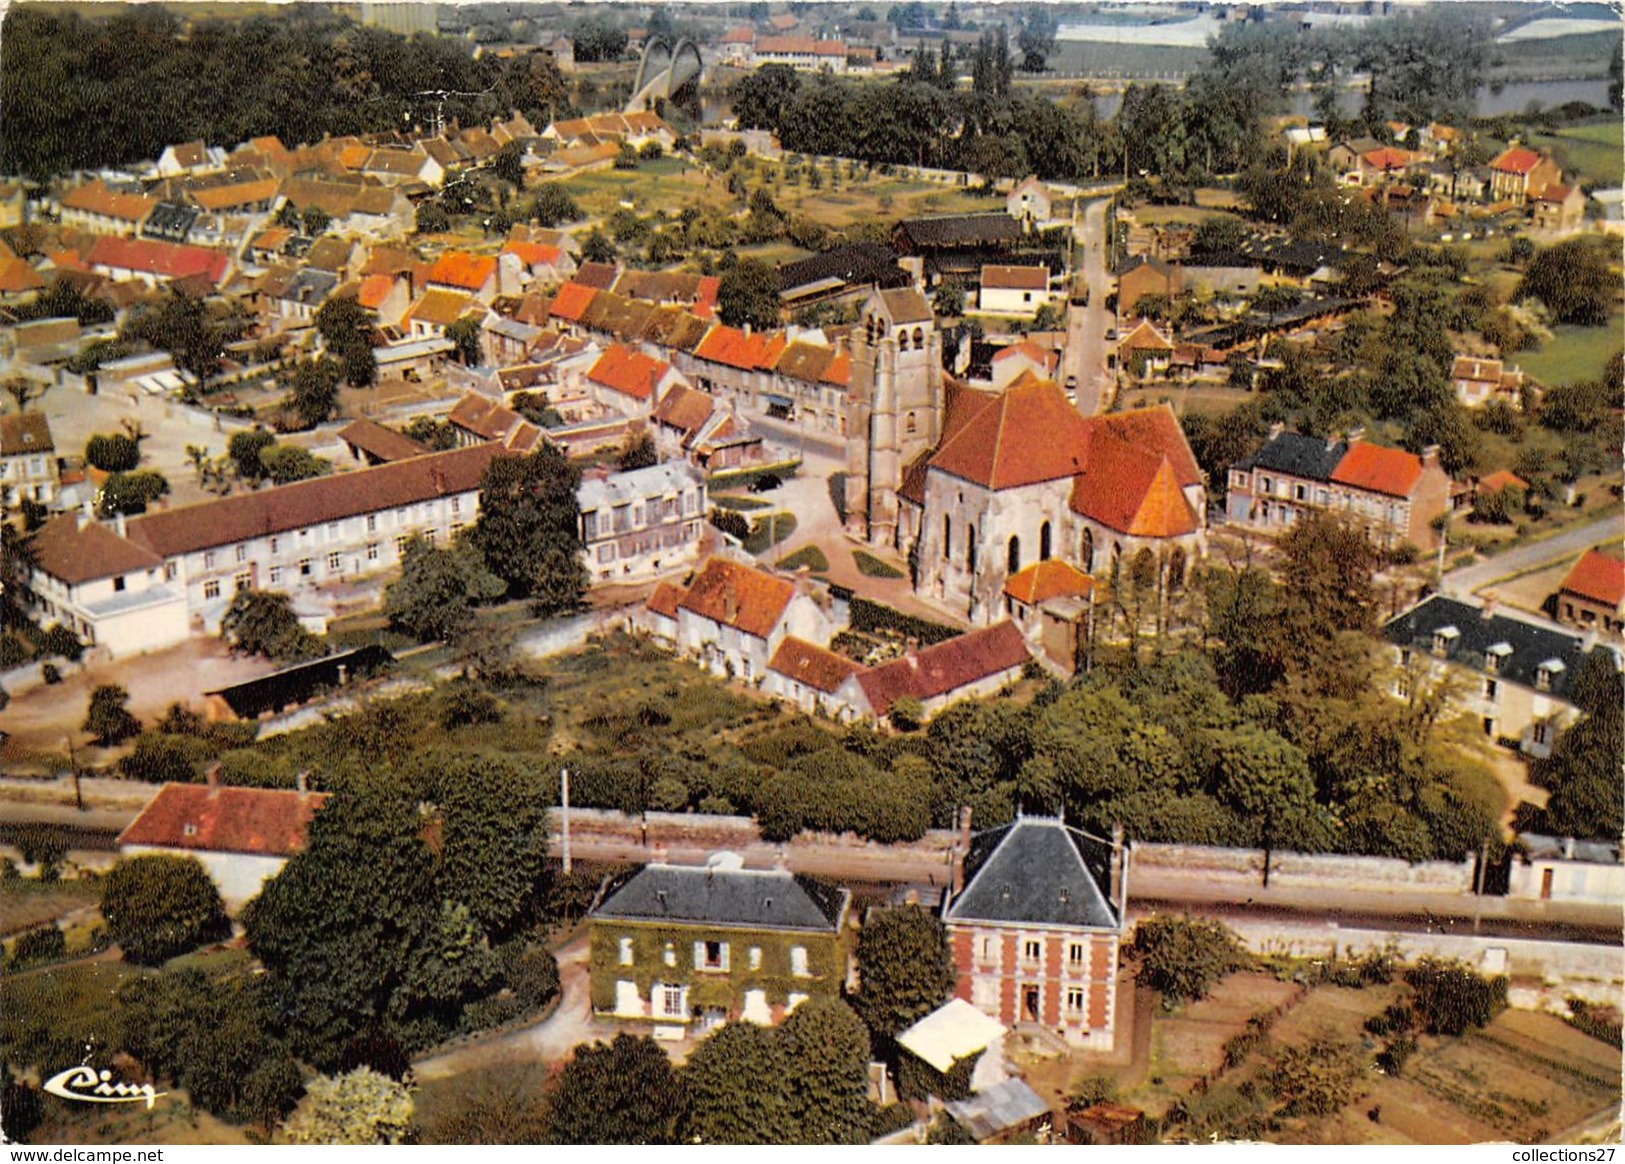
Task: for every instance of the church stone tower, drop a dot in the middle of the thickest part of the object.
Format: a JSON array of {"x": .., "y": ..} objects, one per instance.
[{"x": 897, "y": 406}]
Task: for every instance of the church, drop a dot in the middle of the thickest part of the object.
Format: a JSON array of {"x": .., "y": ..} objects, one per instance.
[{"x": 976, "y": 487}]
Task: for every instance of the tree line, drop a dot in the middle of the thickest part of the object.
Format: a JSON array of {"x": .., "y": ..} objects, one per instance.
[{"x": 81, "y": 93}]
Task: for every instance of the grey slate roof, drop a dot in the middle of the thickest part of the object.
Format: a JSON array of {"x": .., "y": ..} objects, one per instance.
[
  {"x": 1532, "y": 643},
  {"x": 757, "y": 899},
  {"x": 959, "y": 230},
  {"x": 857, "y": 263},
  {"x": 1296, "y": 455},
  {"x": 1037, "y": 870}
]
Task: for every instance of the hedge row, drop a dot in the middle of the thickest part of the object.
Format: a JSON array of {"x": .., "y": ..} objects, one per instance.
[{"x": 871, "y": 616}]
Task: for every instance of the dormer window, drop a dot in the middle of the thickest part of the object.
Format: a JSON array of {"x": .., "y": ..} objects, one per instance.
[
  {"x": 1443, "y": 639},
  {"x": 1546, "y": 672},
  {"x": 1495, "y": 658}
]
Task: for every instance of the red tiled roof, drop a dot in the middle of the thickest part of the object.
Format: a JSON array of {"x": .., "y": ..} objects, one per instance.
[
  {"x": 739, "y": 34},
  {"x": 72, "y": 551},
  {"x": 1137, "y": 465},
  {"x": 737, "y": 596},
  {"x": 799, "y": 46},
  {"x": 839, "y": 371},
  {"x": 462, "y": 270},
  {"x": 1516, "y": 160},
  {"x": 96, "y": 198},
  {"x": 242, "y": 516},
  {"x": 1043, "y": 358},
  {"x": 1501, "y": 479},
  {"x": 374, "y": 290},
  {"x": 236, "y": 194},
  {"x": 1016, "y": 278},
  {"x": 706, "y": 301},
  {"x": 268, "y": 822},
  {"x": 1387, "y": 159},
  {"x": 817, "y": 667},
  {"x": 1043, "y": 581},
  {"x": 162, "y": 259},
  {"x": 664, "y": 600},
  {"x": 1554, "y": 193},
  {"x": 532, "y": 253},
  {"x": 384, "y": 443},
  {"x": 730, "y": 346},
  {"x": 946, "y": 667},
  {"x": 1027, "y": 434},
  {"x": 1599, "y": 577},
  {"x": 17, "y": 276},
  {"x": 1474, "y": 368},
  {"x": 1378, "y": 469},
  {"x": 629, "y": 372},
  {"x": 684, "y": 408},
  {"x": 571, "y": 302}
]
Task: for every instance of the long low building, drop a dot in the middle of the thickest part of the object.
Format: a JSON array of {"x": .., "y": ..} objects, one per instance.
[{"x": 145, "y": 583}]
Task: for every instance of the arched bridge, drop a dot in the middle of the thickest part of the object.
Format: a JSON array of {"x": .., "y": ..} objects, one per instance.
[{"x": 663, "y": 70}]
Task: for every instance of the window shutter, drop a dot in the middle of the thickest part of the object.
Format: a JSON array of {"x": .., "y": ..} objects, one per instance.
[{"x": 699, "y": 955}]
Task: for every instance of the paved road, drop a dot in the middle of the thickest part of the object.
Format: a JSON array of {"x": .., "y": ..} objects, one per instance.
[
  {"x": 1470, "y": 579},
  {"x": 1085, "y": 356}
]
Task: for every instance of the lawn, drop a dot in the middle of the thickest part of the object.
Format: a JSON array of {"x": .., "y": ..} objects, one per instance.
[
  {"x": 1573, "y": 353},
  {"x": 653, "y": 186},
  {"x": 740, "y": 503},
  {"x": 809, "y": 556},
  {"x": 26, "y": 903},
  {"x": 769, "y": 531},
  {"x": 1595, "y": 152},
  {"x": 1207, "y": 398},
  {"x": 872, "y": 567}
]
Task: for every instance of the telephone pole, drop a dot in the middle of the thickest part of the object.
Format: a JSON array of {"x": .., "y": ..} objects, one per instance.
[{"x": 564, "y": 795}]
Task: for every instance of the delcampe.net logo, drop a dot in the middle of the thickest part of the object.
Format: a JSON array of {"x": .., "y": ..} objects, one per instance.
[{"x": 87, "y": 1085}]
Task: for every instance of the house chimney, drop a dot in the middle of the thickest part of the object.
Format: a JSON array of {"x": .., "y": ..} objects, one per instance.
[
  {"x": 960, "y": 850},
  {"x": 1119, "y": 870},
  {"x": 1356, "y": 435},
  {"x": 1332, "y": 438},
  {"x": 1488, "y": 611},
  {"x": 1277, "y": 429},
  {"x": 211, "y": 775},
  {"x": 1430, "y": 456},
  {"x": 300, "y": 781},
  {"x": 1568, "y": 848}
]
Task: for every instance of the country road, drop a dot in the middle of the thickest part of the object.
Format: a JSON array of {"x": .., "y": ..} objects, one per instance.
[
  {"x": 1471, "y": 579},
  {"x": 1085, "y": 356}
]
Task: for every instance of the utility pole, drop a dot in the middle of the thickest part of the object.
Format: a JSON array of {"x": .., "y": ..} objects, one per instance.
[
  {"x": 73, "y": 766},
  {"x": 564, "y": 795}
]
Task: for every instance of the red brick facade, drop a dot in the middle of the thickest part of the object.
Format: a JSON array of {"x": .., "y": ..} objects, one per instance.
[{"x": 1071, "y": 975}]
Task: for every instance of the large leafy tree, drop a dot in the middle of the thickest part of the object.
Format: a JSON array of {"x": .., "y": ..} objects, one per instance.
[
  {"x": 1181, "y": 957},
  {"x": 625, "y": 1092},
  {"x": 529, "y": 527},
  {"x": 263, "y": 622},
  {"x": 1583, "y": 771},
  {"x": 108, "y": 717},
  {"x": 159, "y": 906},
  {"x": 905, "y": 966},
  {"x": 17, "y": 561},
  {"x": 749, "y": 294},
  {"x": 361, "y": 1107},
  {"x": 1328, "y": 571},
  {"x": 827, "y": 1048},
  {"x": 313, "y": 390},
  {"x": 1572, "y": 279},
  {"x": 339, "y": 928},
  {"x": 435, "y": 595},
  {"x": 346, "y": 329},
  {"x": 493, "y": 823},
  {"x": 737, "y": 1083}
]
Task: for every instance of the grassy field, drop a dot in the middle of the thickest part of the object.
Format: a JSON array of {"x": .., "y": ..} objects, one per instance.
[
  {"x": 811, "y": 557},
  {"x": 25, "y": 903},
  {"x": 1573, "y": 353},
  {"x": 667, "y": 184},
  {"x": 1186, "y": 401},
  {"x": 1133, "y": 61},
  {"x": 1595, "y": 152}
]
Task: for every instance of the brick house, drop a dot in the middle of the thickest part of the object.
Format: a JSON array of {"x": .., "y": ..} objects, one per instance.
[
  {"x": 1144, "y": 275},
  {"x": 1592, "y": 596},
  {"x": 1037, "y": 928},
  {"x": 1394, "y": 494},
  {"x": 686, "y": 948},
  {"x": 1516, "y": 672}
]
